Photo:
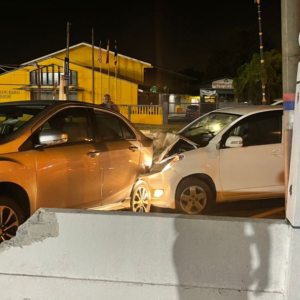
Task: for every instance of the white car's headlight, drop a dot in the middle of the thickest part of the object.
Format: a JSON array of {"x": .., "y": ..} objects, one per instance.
[{"x": 173, "y": 161}]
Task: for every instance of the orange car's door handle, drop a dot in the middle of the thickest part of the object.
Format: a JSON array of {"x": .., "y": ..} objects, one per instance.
[
  {"x": 93, "y": 153},
  {"x": 133, "y": 148}
]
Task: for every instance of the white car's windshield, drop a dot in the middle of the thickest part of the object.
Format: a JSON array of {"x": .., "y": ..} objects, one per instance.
[
  {"x": 13, "y": 117},
  {"x": 205, "y": 128}
]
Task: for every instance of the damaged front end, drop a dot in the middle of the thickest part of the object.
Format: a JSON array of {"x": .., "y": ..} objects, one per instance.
[{"x": 173, "y": 153}]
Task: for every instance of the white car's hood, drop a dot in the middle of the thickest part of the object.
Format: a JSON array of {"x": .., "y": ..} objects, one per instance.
[{"x": 179, "y": 144}]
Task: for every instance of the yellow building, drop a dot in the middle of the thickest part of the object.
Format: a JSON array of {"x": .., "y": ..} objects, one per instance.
[{"x": 41, "y": 78}]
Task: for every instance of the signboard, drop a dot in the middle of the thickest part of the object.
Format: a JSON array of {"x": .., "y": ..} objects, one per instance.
[
  {"x": 66, "y": 68},
  {"x": 208, "y": 93},
  {"x": 223, "y": 84}
]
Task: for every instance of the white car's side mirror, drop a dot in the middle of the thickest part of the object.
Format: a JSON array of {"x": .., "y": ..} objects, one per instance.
[{"x": 234, "y": 142}]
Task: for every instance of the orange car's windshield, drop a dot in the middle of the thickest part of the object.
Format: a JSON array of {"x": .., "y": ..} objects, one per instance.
[{"x": 13, "y": 117}]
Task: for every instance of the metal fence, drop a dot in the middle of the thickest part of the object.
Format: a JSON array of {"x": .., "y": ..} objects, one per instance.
[{"x": 143, "y": 114}]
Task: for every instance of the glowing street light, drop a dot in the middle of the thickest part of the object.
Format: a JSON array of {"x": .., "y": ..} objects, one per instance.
[{"x": 264, "y": 101}]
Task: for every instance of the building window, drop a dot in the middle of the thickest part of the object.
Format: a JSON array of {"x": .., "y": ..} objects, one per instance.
[{"x": 49, "y": 75}]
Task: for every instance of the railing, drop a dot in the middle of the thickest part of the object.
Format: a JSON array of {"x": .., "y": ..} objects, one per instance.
[{"x": 143, "y": 114}]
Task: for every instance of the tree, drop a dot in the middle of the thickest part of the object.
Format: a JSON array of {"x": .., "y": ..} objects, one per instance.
[
  {"x": 233, "y": 51},
  {"x": 248, "y": 82}
]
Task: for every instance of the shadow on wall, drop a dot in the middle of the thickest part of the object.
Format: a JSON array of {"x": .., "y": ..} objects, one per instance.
[{"x": 228, "y": 263}]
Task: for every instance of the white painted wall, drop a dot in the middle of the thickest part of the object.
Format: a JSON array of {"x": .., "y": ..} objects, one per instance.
[{"x": 70, "y": 254}]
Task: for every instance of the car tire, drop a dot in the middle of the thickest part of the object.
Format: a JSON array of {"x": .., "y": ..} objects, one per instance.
[
  {"x": 141, "y": 198},
  {"x": 193, "y": 197},
  {"x": 11, "y": 217}
]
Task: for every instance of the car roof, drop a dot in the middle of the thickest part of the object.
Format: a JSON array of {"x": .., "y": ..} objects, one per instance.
[
  {"x": 53, "y": 103},
  {"x": 248, "y": 109},
  {"x": 61, "y": 103},
  {"x": 46, "y": 102}
]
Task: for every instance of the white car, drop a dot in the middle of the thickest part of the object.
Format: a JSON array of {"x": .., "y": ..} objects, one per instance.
[
  {"x": 226, "y": 155},
  {"x": 277, "y": 102}
]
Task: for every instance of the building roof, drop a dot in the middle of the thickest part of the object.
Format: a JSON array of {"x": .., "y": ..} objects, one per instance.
[
  {"x": 76, "y": 46},
  {"x": 173, "y": 72}
]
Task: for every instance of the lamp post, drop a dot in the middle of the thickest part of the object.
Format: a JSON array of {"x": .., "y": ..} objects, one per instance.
[
  {"x": 264, "y": 101},
  {"x": 38, "y": 80},
  {"x": 67, "y": 56}
]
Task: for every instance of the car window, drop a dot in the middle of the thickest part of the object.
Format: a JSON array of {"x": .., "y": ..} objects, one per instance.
[
  {"x": 260, "y": 129},
  {"x": 112, "y": 127},
  {"x": 74, "y": 122}
]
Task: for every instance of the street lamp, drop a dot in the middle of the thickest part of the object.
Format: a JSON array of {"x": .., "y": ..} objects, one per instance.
[{"x": 264, "y": 101}]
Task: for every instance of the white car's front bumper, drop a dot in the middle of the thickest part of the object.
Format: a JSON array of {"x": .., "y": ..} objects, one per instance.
[{"x": 166, "y": 181}]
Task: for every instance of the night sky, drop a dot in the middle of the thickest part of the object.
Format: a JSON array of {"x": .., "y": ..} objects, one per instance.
[{"x": 162, "y": 33}]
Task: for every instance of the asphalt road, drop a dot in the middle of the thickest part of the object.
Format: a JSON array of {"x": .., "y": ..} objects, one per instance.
[{"x": 267, "y": 209}]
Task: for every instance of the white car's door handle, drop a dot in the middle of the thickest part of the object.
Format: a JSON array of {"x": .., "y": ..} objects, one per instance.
[
  {"x": 277, "y": 152},
  {"x": 93, "y": 153}
]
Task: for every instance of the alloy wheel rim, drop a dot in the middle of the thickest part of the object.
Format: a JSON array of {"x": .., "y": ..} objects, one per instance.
[
  {"x": 193, "y": 200},
  {"x": 9, "y": 223},
  {"x": 141, "y": 200}
]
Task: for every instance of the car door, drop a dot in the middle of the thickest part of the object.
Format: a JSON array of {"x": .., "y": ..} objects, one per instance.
[
  {"x": 257, "y": 168},
  {"x": 120, "y": 157},
  {"x": 68, "y": 175}
]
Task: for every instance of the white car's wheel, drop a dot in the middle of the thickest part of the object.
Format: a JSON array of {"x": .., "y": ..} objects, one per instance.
[
  {"x": 11, "y": 217},
  {"x": 141, "y": 198},
  {"x": 193, "y": 197}
]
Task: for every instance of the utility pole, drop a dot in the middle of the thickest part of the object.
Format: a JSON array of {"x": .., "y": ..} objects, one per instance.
[
  {"x": 93, "y": 73},
  {"x": 38, "y": 80},
  {"x": 263, "y": 83},
  {"x": 67, "y": 56},
  {"x": 290, "y": 11}
]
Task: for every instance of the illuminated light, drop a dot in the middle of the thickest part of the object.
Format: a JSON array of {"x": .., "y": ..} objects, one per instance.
[
  {"x": 176, "y": 159},
  {"x": 158, "y": 193},
  {"x": 216, "y": 127},
  {"x": 172, "y": 98}
]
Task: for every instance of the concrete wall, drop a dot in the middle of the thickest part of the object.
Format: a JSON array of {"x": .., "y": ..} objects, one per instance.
[{"x": 70, "y": 254}]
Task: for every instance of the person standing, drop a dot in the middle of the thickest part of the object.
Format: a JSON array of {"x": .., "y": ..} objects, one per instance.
[{"x": 108, "y": 103}]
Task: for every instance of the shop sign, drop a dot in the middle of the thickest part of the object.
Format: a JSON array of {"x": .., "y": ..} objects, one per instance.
[
  {"x": 8, "y": 94},
  {"x": 223, "y": 84}
]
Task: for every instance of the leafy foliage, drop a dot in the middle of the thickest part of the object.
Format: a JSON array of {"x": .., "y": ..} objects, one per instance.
[{"x": 248, "y": 82}]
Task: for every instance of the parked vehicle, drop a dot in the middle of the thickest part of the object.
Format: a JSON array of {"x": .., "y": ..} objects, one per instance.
[
  {"x": 66, "y": 154},
  {"x": 192, "y": 111},
  {"x": 229, "y": 154}
]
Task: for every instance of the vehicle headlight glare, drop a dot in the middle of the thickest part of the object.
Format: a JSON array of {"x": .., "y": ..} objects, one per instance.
[
  {"x": 158, "y": 193},
  {"x": 175, "y": 160}
]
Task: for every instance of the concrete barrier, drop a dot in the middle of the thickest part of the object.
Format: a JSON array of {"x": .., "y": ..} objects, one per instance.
[{"x": 76, "y": 254}]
